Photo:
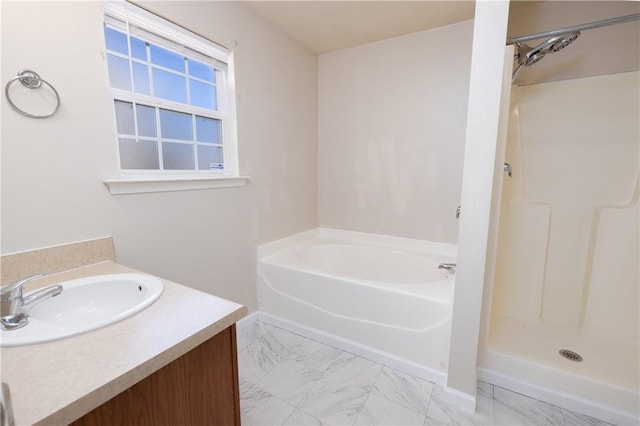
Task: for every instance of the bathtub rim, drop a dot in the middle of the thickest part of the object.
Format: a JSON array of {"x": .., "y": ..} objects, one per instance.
[{"x": 399, "y": 243}]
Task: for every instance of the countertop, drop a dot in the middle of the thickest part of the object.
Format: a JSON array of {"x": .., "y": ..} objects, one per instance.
[{"x": 58, "y": 382}]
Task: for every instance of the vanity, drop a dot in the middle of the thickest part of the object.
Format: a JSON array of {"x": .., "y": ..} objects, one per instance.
[{"x": 173, "y": 363}]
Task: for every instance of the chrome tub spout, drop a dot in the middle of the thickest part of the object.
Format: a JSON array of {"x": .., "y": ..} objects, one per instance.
[{"x": 450, "y": 267}]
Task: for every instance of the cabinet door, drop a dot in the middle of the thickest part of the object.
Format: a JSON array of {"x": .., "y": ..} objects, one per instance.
[{"x": 199, "y": 388}]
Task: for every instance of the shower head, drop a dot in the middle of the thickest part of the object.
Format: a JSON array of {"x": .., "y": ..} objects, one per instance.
[
  {"x": 558, "y": 43},
  {"x": 527, "y": 55}
]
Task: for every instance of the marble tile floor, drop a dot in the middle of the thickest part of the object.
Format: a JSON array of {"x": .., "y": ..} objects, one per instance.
[{"x": 286, "y": 379}]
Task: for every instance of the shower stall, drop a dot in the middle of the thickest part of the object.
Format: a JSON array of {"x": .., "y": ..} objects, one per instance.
[{"x": 563, "y": 324}]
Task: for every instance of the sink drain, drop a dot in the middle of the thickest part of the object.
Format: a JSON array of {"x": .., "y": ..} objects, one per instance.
[{"x": 570, "y": 355}]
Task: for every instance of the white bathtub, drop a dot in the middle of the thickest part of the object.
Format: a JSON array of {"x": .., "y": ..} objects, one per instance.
[{"x": 378, "y": 296}]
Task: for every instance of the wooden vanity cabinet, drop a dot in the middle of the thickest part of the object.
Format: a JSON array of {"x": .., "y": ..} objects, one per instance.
[{"x": 199, "y": 388}]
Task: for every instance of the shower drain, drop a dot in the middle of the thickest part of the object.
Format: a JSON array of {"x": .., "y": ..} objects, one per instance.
[{"x": 570, "y": 355}]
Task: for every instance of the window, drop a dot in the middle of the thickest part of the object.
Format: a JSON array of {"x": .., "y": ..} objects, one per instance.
[{"x": 172, "y": 96}]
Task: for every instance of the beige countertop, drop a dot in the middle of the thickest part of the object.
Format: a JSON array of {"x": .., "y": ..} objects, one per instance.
[{"x": 57, "y": 382}]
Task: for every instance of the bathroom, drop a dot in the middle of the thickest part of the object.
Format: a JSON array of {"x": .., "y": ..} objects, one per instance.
[{"x": 322, "y": 142}]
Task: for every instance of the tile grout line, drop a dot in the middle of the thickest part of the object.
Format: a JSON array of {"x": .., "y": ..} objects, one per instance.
[
  {"x": 368, "y": 395},
  {"x": 289, "y": 416},
  {"x": 493, "y": 404},
  {"x": 426, "y": 413},
  {"x": 323, "y": 373},
  {"x": 493, "y": 401},
  {"x": 399, "y": 404},
  {"x": 309, "y": 391},
  {"x": 279, "y": 399}
]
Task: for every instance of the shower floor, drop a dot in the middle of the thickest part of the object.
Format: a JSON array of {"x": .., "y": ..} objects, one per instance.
[
  {"x": 606, "y": 360},
  {"x": 525, "y": 354}
]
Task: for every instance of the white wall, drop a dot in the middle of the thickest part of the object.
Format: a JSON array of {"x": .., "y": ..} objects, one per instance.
[
  {"x": 391, "y": 134},
  {"x": 483, "y": 128},
  {"x": 52, "y": 169}
]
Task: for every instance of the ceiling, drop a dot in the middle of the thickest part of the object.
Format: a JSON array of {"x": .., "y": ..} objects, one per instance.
[{"x": 326, "y": 26}]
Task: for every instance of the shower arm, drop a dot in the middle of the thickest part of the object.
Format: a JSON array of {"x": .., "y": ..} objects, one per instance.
[{"x": 589, "y": 26}]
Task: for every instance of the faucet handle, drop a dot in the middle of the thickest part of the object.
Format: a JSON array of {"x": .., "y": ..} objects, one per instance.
[{"x": 8, "y": 291}]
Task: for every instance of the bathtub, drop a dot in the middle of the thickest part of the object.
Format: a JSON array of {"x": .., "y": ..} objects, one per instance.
[{"x": 378, "y": 296}]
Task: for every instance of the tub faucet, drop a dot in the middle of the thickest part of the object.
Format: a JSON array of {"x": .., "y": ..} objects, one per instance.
[
  {"x": 508, "y": 169},
  {"x": 450, "y": 267},
  {"x": 13, "y": 302}
]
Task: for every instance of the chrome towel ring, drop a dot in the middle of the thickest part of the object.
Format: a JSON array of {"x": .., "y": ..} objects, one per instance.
[{"x": 31, "y": 80}]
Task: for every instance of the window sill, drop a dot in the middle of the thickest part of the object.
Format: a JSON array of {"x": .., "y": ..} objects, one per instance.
[{"x": 166, "y": 184}]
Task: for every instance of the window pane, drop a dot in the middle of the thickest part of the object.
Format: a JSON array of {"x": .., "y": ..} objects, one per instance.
[
  {"x": 141, "y": 78},
  {"x": 177, "y": 156},
  {"x": 210, "y": 158},
  {"x": 203, "y": 95},
  {"x": 146, "y": 120},
  {"x": 116, "y": 41},
  {"x": 164, "y": 102},
  {"x": 203, "y": 71},
  {"x": 124, "y": 118},
  {"x": 169, "y": 86},
  {"x": 138, "y": 49},
  {"x": 119, "y": 77},
  {"x": 208, "y": 130},
  {"x": 176, "y": 125},
  {"x": 166, "y": 58},
  {"x": 138, "y": 155}
]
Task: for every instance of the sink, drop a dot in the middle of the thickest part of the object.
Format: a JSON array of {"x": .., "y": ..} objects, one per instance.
[{"x": 84, "y": 305}]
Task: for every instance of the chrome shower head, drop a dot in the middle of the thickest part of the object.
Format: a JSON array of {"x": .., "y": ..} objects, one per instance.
[
  {"x": 557, "y": 43},
  {"x": 527, "y": 55}
]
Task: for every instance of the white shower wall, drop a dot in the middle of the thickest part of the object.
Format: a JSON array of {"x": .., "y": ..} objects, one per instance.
[
  {"x": 567, "y": 269},
  {"x": 568, "y": 247}
]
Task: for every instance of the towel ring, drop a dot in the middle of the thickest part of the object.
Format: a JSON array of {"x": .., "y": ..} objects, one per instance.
[{"x": 31, "y": 80}]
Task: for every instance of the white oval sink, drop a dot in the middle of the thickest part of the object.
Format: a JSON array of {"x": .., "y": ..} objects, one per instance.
[{"x": 85, "y": 304}]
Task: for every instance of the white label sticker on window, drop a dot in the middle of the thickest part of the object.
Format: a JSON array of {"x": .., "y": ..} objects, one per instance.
[{"x": 214, "y": 166}]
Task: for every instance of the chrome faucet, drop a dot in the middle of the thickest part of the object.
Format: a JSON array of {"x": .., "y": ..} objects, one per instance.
[
  {"x": 508, "y": 169},
  {"x": 13, "y": 302},
  {"x": 450, "y": 267},
  {"x": 458, "y": 212}
]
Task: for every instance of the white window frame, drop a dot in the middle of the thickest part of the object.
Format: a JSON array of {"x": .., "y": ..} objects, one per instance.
[{"x": 139, "y": 181}]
